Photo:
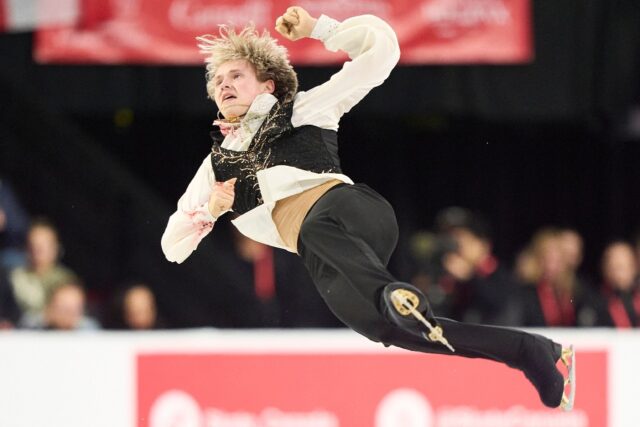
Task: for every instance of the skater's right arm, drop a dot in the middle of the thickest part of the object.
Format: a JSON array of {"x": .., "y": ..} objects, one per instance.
[
  {"x": 198, "y": 208},
  {"x": 373, "y": 50}
]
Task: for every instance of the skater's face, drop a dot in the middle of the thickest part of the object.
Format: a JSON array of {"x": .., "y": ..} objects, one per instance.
[{"x": 236, "y": 86}]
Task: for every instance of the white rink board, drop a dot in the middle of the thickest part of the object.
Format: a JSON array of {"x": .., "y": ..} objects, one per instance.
[{"x": 87, "y": 379}]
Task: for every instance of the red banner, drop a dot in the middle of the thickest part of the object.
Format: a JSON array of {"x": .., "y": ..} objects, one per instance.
[
  {"x": 354, "y": 390},
  {"x": 3, "y": 17},
  {"x": 163, "y": 31}
]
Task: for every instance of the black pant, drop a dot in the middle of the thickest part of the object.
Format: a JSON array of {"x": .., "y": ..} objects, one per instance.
[{"x": 346, "y": 241}]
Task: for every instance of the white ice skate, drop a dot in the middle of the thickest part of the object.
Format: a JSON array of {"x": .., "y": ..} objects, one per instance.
[{"x": 568, "y": 359}]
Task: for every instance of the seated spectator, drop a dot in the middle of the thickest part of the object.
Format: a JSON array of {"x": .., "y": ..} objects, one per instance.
[
  {"x": 135, "y": 309},
  {"x": 9, "y": 312},
  {"x": 276, "y": 288},
  {"x": 64, "y": 311},
  {"x": 43, "y": 272},
  {"x": 426, "y": 250},
  {"x": 552, "y": 295},
  {"x": 572, "y": 246},
  {"x": 620, "y": 287},
  {"x": 139, "y": 308},
  {"x": 526, "y": 268},
  {"x": 481, "y": 289},
  {"x": 14, "y": 222},
  {"x": 637, "y": 249}
]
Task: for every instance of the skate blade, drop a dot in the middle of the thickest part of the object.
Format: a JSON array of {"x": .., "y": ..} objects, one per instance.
[
  {"x": 569, "y": 361},
  {"x": 409, "y": 306}
]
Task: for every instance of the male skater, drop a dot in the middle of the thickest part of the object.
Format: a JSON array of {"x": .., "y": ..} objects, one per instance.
[{"x": 275, "y": 162}]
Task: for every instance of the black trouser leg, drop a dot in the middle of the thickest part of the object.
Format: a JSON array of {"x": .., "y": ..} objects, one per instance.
[{"x": 346, "y": 241}]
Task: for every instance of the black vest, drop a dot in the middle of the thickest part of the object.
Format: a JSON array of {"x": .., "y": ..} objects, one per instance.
[{"x": 275, "y": 143}]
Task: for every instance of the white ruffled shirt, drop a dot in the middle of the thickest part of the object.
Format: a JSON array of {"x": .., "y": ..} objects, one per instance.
[{"x": 372, "y": 47}]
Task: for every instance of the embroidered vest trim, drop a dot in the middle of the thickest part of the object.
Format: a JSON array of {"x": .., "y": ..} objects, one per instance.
[{"x": 276, "y": 142}]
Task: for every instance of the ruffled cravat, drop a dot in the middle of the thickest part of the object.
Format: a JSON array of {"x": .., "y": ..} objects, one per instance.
[
  {"x": 242, "y": 130},
  {"x": 227, "y": 127}
]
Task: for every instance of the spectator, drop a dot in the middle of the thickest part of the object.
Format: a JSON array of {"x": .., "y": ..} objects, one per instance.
[
  {"x": 425, "y": 252},
  {"x": 637, "y": 249},
  {"x": 8, "y": 309},
  {"x": 552, "y": 295},
  {"x": 277, "y": 287},
  {"x": 13, "y": 228},
  {"x": 135, "y": 309},
  {"x": 64, "y": 311},
  {"x": 571, "y": 245},
  {"x": 32, "y": 283},
  {"x": 526, "y": 268},
  {"x": 481, "y": 289},
  {"x": 620, "y": 288}
]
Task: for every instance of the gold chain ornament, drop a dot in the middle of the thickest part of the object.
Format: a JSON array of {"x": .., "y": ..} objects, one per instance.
[{"x": 406, "y": 302}]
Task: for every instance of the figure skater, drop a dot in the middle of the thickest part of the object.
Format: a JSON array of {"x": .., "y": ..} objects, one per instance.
[{"x": 275, "y": 162}]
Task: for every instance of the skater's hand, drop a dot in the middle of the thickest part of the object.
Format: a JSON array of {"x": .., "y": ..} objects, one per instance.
[
  {"x": 295, "y": 23},
  {"x": 222, "y": 195}
]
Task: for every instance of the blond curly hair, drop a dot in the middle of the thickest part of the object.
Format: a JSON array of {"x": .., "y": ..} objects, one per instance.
[{"x": 269, "y": 59}]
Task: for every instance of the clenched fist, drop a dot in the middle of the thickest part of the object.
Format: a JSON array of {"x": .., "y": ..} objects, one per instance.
[
  {"x": 295, "y": 23},
  {"x": 222, "y": 196}
]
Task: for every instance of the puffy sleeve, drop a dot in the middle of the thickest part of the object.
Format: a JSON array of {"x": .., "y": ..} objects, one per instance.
[
  {"x": 192, "y": 221},
  {"x": 373, "y": 49}
]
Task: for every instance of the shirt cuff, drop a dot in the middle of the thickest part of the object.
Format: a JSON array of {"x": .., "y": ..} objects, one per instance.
[
  {"x": 206, "y": 215},
  {"x": 325, "y": 28}
]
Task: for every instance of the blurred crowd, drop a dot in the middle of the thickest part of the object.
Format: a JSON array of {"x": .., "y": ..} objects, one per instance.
[
  {"x": 37, "y": 291},
  {"x": 544, "y": 285}
]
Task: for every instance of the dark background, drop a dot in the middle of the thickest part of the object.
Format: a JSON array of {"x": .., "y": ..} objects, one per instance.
[{"x": 106, "y": 151}]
